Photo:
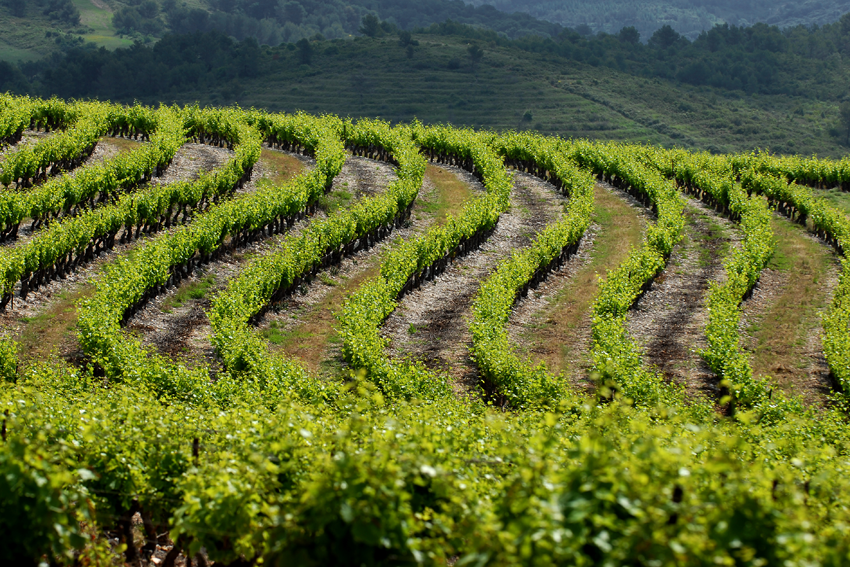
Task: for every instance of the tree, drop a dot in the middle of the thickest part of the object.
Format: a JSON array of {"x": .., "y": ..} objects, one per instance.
[
  {"x": 11, "y": 78},
  {"x": 664, "y": 37},
  {"x": 305, "y": 51},
  {"x": 63, "y": 11},
  {"x": 629, "y": 35},
  {"x": 148, "y": 9},
  {"x": 844, "y": 34},
  {"x": 584, "y": 30},
  {"x": 370, "y": 26},
  {"x": 127, "y": 20},
  {"x": 475, "y": 54},
  {"x": 404, "y": 38},
  {"x": 17, "y": 7},
  {"x": 291, "y": 12}
]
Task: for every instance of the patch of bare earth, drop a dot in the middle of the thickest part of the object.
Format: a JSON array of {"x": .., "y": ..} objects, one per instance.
[
  {"x": 552, "y": 324},
  {"x": 301, "y": 326},
  {"x": 780, "y": 323},
  {"x": 669, "y": 321},
  {"x": 431, "y": 324},
  {"x": 28, "y": 138},
  {"x": 175, "y": 323},
  {"x": 45, "y": 321}
]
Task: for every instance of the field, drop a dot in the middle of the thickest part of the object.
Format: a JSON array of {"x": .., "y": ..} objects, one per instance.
[{"x": 238, "y": 338}]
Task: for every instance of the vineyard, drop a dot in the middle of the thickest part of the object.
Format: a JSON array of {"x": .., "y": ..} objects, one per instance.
[{"x": 232, "y": 337}]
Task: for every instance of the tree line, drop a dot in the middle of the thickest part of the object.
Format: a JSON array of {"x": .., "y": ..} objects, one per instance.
[{"x": 761, "y": 59}]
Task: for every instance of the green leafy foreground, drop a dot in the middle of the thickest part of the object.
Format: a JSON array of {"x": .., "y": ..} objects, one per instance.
[{"x": 366, "y": 482}]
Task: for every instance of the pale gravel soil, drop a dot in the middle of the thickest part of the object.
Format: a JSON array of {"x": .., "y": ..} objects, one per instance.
[
  {"x": 192, "y": 161},
  {"x": 184, "y": 332},
  {"x": 362, "y": 177},
  {"x": 530, "y": 310},
  {"x": 28, "y": 138},
  {"x": 817, "y": 383},
  {"x": 431, "y": 323},
  {"x": 669, "y": 321}
]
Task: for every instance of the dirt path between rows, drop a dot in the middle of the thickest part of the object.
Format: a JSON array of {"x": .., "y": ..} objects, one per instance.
[
  {"x": 44, "y": 323},
  {"x": 669, "y": 321},
  {"x": 28, "y": 138},
  {"x": 304, "y": 326},
  {"x": 175, "y": 323},
  {"x": 431, "y": 324},
  {"x": 780, "y": 323},
  {"x": 553, "y": 323}
]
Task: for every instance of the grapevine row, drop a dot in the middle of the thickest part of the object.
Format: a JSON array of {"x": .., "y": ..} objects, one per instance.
[
  {"x": 519, "y": 381},
  {"x": 19, "y": 113},
  {"x": 93, "y": 185},
  {"x": 64, "y": 245},
  {"x": 61, "y": 152},
  {"x": 419, "y": 484},
  {"x": 299, "y": 257},
  {"x": 165, "y": 260},
  {"x": 820, "y": 173},
  {"x": 420, "y": 259}
]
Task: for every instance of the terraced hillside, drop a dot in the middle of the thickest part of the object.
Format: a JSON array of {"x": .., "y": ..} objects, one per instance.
[{"x": 240, "y": 338}]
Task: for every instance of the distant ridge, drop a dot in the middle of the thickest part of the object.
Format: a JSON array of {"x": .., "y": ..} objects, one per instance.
[{"x": 688, "y": 17}]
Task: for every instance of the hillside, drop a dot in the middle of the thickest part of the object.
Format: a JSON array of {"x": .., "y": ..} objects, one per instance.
[
  {"x": 42, "y": 27},
  {"x": 438, "y": 81},
  {"x": 688, "y": 17},
  {"x": 36, "y": 29},
  {"x": 236, "y": 338}
]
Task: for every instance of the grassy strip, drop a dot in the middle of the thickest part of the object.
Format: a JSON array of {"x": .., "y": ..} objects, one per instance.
[
  {"x": 521, "y": 384},
  {"x": 555, "y": 336},
  {"x": 300, "y": 257},
  {"x": 420, "y": 259}
]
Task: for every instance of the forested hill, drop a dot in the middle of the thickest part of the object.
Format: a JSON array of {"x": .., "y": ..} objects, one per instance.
[
  {"x": 803, "y": 62},
  {"x": 688, "y": 17},
  {"x": 784, "y": 89},
  {"x": 37, "y": 28},
  {"x": 606, "y": 87}
]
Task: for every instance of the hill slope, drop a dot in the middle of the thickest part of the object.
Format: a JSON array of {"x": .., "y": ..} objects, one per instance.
[
  {"x": 438, "y": 81},
  {"x": 688, "y": 17},
  {"x": 39, "y": 28}
]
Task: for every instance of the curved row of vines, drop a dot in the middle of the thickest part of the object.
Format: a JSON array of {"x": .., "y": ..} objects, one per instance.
[{"x": 267, "y": 463}]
